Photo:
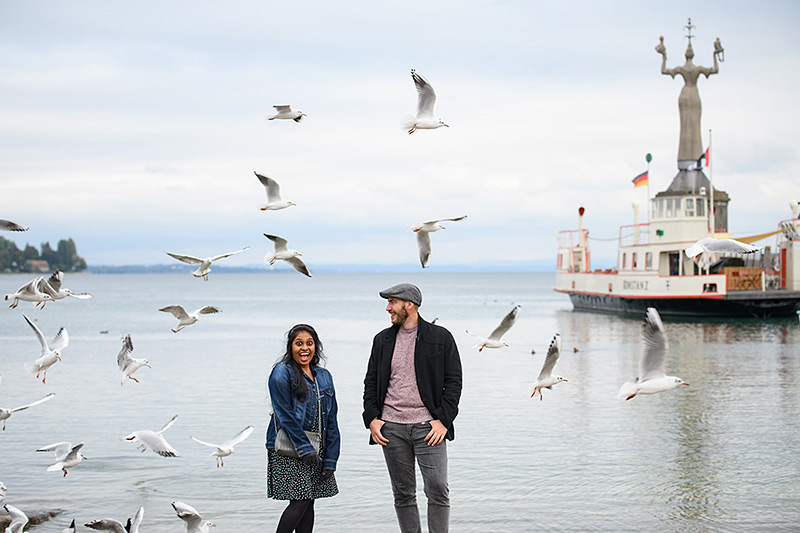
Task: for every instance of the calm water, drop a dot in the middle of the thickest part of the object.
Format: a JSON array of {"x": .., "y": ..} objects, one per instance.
[{"x": 721, "y": 455}]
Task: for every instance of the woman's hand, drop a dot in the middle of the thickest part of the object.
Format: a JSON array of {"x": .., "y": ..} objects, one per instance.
[
  {"x": 311, "y": 459},
  {"x": 326, "y": 474}
]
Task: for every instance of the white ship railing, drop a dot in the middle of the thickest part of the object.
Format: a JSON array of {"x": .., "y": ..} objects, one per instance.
[{"x": 634, "y": 234}]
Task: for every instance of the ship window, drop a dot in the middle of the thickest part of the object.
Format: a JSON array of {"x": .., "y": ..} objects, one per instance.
[
  {"x": 648, "y": 260},
  {"x": 670, "y": 208},
  {"x": 633, "y": 260},
  {"x": 701, "y": 207},
  {"x": 690, "y": 207},
  {"x": 624, "y": 261}
]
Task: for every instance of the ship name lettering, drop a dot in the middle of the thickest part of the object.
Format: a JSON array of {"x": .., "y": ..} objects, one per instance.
[{"x": 634, "y": 285}]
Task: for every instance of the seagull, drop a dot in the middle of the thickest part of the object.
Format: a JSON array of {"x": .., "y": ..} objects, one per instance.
[
  {"x": 186, "y": 319},
  {"x": 71, "y": 529},
  {"x": 652, "y": 376},
  {"x": 194, "y": 522},
  {"x": 67, "y": 455},
  {"x": 426, "y": 98},
  {"x": 50, "y": 354},
  {"x": 282, "y": 252},
  {"x": 5, "y": 413},
  {"x": 286, "y": 112},
  {"x": 424, "y": 239},
  {"x": 226, "y": 448},
  {"x": 205, "y": 264},
  {"x": 154, "y": 440},
  {"x": 109, "y": 524},
  {"x": 29, "y": 293},
  {"x": 18, "y": 519},
  {"x": 274, "y": 200},
  {"x": 493, "y": 341},
  {"x": 7, "y": 225},
  {"x": 710, "y": 244},
  {"x": 127, "y": 364},
  {"x": 546, "y": 379},
  {"x": 3, "y": 490},
  {"x": 52, "y": 287}
]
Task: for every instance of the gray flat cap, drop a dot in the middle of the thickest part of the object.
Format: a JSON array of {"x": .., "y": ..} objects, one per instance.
[{"x": 404, "y": 291}]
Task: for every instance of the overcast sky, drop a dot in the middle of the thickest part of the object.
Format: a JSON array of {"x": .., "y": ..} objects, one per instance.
[{"x": 135, "y": 127}]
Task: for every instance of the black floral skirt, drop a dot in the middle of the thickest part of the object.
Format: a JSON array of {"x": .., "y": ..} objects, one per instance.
[{"x": 289, "y": 478}]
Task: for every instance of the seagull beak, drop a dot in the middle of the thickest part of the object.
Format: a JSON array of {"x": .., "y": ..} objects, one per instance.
[
  {"x": 148, "y": 365},
  {"x": 684, "y": 383}
]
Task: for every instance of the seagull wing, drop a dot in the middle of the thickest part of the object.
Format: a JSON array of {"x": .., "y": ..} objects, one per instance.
[
  {"x": 38, "y": 333},
  {"x": 56, "y": 279},
  {"x": 730, "y": 246},
  {"x": 446, "y": 220},
  {"x": 223, "y": 256},
  {"x": 273, "y": 189},
  {"x": 298, "y": 265},
  {"x": 60, "y": 341},
  {"x": 17, "y": 517},
  {"x": 59, "y": 449},
  {"x": 283, "y": 108},
  {"x": 37, "y": 402},
  {"x": 553, "y": 353},
  {"x": 652, "y": 363},
  {"x": 44, "y": 286},
  {"x": 205, "y": 443},
  {"x": 188, "y": 514},
  {"x": 505, "y": 324},
  {"x": 239, "y": 437},
  {"x": 73, "y": 453},
  {"x": 176, "y": 310},
  {"x": 157, "y": 443},
  {"x": 137, "y": 520},
  {"x": 280, "y": 242},
  {"x": 207, "y": 310},
  {"x": 124, "y": 358},
  {"x": 7, "y": 225},
  {"x": 107, "y": 524},
  {"x": 167, "y": 425},
  {"x": 192, "y": 260},
  {"x": 426, "y": 97},
  {"x": 424, "y": 246}
]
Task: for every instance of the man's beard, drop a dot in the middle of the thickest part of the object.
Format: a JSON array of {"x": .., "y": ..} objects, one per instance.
[{"x": 400, "y": 316}]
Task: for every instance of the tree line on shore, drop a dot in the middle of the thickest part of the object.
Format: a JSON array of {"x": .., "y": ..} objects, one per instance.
[{"x": 65, "y": 257}]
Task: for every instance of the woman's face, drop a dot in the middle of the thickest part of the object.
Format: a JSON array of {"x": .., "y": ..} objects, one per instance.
[{"x": 303, "y": 349}]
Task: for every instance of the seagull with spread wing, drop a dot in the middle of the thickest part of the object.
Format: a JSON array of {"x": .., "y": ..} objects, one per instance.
[
  {"x": 66, "y": 455},
  {"x": 29, "y": 292},
  {"x": 114, "y": 526},
  {"x": 423, "y": 231},
  {"x": 50, "y": 354},
  {"x": 194, "y": 522},
  {"x": 205, "y": 264},
  {"x": 5, "y": 412},
  {"x": 652, "y": 363},
  {"x": 493, "y": 340},
  {"x": 128, "y": 364},
  {"x": 7, "y": 225},
  {"x": 426, "y": 98},
  {"x": 546, "y": 379},
  {"x": 154, "y": 440},
  {"x": 283, "y": 253},
  {"x": 226, "y": 448},
  {"x": 52, "y": 286},
  {"x": 274, "y": 200},
  {"x": 712, "y": 245},
  {"x": 187, "y": 319},
  {"x": 286, "y": 112}
]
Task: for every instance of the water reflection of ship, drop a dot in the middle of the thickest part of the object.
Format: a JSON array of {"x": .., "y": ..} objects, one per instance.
[{"x": 653, "y": 271}]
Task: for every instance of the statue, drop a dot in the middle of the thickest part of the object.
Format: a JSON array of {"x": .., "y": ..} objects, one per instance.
[{"x": 691, "y": 144}]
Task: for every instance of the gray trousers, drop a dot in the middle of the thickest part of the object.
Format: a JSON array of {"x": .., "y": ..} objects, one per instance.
[{"x": 406, "y": 443}]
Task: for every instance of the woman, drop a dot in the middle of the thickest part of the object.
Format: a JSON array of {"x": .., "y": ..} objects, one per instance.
[{"x": 303, "y": 399}]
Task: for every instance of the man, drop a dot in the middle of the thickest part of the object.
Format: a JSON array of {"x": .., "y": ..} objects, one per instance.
[{"x": 411, "y": 394}]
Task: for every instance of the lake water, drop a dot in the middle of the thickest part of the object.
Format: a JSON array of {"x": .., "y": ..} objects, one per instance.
[{"x": 720, "y": 455}]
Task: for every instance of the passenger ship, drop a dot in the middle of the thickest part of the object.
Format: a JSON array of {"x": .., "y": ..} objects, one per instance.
[{"x": 653, "y": 270}]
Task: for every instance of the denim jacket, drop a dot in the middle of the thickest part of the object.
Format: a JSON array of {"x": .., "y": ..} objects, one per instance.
[{"x": 295, "y": 417}]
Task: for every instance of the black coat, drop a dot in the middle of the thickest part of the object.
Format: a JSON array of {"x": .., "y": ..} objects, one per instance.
[{"x": 438, "y": 368}]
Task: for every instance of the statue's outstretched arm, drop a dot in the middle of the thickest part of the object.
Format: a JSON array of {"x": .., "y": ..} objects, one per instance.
[{"x": 661, "y": 49}]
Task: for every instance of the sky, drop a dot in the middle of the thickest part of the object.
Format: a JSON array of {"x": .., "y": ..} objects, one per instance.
[{"x": 135, "y": 127}]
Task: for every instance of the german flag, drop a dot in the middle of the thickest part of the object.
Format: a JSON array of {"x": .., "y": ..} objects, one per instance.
[{"x": 641, "y": 179}]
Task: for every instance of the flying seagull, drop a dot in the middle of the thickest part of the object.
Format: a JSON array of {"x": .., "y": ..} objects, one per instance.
[
  {"x": 18, "y": 519},
  {"x": 194, "y": 522},
  {"x": 154, "y": 440},
  {"x": 52, "y": 286},
  {"x": 282, "y": 252},
  {"x": 493, "y": 340},
  {"x": 274, "y": 200},
  {"x": 5, "y": 412},
  {"x": 50, "y": 355},
  {"x": 226, "y": 448},
  {"x": 712, "y": 245},
  {"x": 66, "y": 455},
  {"x": 652, "y": 363},
  {"x": 423, "y": 231},
  {"x": 205, "y": 264},
  {"x": 7, "y": 225},
  {"x": 187, "y": 319},
  {"x": 426, "y": 98},
  {"x": 546, "y": 379},
  {"x": 286, "y": 112},
  {"x": 127, "y": 364},
  {"x": 29, "y": 292}
]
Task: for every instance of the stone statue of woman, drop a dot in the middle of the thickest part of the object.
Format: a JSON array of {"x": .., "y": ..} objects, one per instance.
[{"x": 691, "y": 144}]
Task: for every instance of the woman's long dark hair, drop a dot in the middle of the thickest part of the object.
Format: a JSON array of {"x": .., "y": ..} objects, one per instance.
[{"x": 299, "y": 385}]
